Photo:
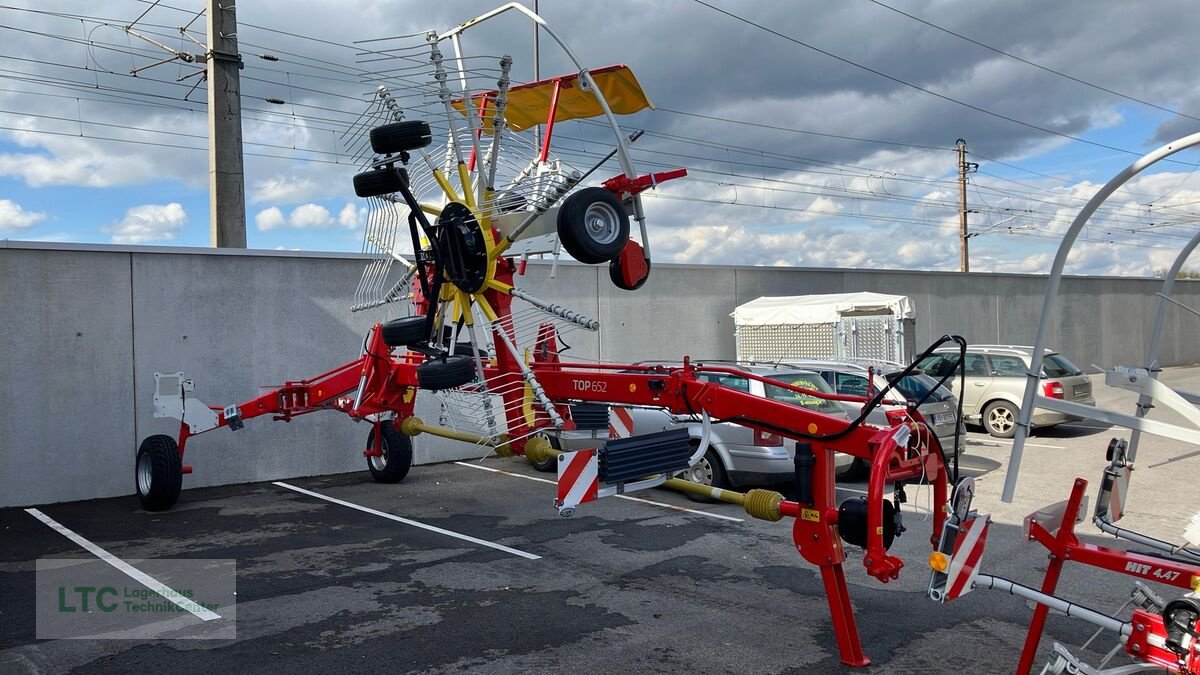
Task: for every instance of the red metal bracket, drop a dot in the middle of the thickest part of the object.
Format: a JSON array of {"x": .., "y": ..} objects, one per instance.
[{"x": 623, "y": 184}]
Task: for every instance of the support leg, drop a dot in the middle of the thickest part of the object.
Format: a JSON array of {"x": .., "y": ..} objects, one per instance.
[{"x": 842, "y": 614}]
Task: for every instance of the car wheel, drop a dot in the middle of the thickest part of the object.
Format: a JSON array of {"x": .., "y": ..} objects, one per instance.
[
  {"x": 857, "y": 470},
  {"x": 708, "y": 471},
  {"x": 550, "y": 464},
  {"x": 1000, "y": 419}
]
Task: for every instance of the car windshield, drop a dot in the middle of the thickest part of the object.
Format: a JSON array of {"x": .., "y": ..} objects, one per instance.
[
  {"x": 915, "y": 387},
  {"x": 807, "y": 381},
  {"x": 1057, "y": 365}
]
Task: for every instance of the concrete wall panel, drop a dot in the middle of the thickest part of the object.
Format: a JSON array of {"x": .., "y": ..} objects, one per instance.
[
  {"x": 66, "y": 376},
  {"x": 85, "y": 328}
]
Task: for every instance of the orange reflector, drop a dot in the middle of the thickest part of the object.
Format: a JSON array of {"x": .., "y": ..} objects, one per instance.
[{"x": 939, "y": 561}]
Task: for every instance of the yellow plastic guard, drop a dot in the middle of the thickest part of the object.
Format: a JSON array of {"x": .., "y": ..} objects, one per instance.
[{"x": 529, "y": 104}]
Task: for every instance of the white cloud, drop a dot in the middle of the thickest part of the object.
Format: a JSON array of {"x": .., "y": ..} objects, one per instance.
[
  {"x": 149, "y": 222},
  {"x": 283, "y": 189},
  {"x": 13, "y": 217},
  {"x": 310, "y": 216},
  {"x": 270, "y": 219},
  {"x": 352, "y": 216}
]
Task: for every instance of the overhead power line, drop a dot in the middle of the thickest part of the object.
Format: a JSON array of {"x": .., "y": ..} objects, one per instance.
[{"x": 1036, "y": 65}]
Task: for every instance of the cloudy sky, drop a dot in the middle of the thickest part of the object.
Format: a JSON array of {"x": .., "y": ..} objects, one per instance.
[{"x": 815, "y": 133}]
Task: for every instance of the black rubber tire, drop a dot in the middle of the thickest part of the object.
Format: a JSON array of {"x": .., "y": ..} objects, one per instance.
[
  {"x": 382, "y": 181},
  {"x": 857, "y": 470},
  {"x": 593, "y": 225},
  {"x": 618, "y": 278},
  {"x": 708, "y": 471},
  {"x": 550, "y": 465},
  {"x": 397, "y": 457},
  {"x": 1004, "y": 424},
  {"x": 404, "y": 331},
  {"x": 400, "y": 137},
  {"x": 453, "y": 371},
  {"x": 160, "y": 480}
]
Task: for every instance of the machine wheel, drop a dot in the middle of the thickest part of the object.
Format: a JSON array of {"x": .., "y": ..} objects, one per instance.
[
  {"x": 393, "y": 465},
  {"x": 617, "y": 275},
  {"x": 400, "y": 136},
  {"x": 404, "y": 331},
  {"x": 158, "y": 473},
  {"x": 382, "y": 181},
  {"x": 1000, "y": 419},
  {"x": 593, "y": 225},
  {"x": 708, "y": 471},
  {"x": 857, "y": 470},
  {"x": 451, "y": 371},
  {"x": 550, "y": 465}
]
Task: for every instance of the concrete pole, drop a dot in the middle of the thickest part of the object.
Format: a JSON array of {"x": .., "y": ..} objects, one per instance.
[
  {"x": 963, "y": 254},
  {"x": 226, "y": 183}
]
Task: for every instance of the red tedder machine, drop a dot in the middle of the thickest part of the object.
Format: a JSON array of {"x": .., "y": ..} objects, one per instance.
[
  {"x": 472, "y": 207},
  {"x": 1159, "y": 634}
]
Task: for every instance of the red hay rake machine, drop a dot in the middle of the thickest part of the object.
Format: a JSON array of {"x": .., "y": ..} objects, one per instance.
[
  {"x": 1159, "y": 634},
  {"x": 473, "y": 207}
]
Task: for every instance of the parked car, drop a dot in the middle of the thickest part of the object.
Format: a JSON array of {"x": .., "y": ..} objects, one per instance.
[
  {"x": 994, "y": 384},
  {"x": 737, "y": 456},
  {"x": 849, "y": 376}
]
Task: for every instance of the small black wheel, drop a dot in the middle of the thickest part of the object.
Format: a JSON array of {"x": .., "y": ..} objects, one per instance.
[
  {"x": 1000, "y": 419},
  {"x": 382, "y": 181},
  {"x": 400, "y": 137},
  {"x": 616, "y": 273},
  {"x": 404, "y": 331},
  {"x": 158, "y": 473},
  {"x": 550, "y": 465},
  {"x": 393, "y": 465},
  {"x": 857, "y": 470},
  {"x": 593, "y": 225},
  {"x": 446, "y": 372},
  {"x": 708, "y": 471}
]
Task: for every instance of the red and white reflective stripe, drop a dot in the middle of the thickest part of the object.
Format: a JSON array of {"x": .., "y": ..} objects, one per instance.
[
  {"x": 578, "y": 478},
  {"x": 620, "y": 423},
  {"x": 964, "y": 564}
]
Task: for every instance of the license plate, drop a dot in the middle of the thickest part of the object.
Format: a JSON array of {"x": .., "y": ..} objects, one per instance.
[
  {"x": 1081, "y": 389},
  {"x": 943, "y": 418}
]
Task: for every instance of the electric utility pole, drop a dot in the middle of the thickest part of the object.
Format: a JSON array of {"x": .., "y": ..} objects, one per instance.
[
  {"x": 964, "y": 168},
  {"x": 226, "y": 182}
]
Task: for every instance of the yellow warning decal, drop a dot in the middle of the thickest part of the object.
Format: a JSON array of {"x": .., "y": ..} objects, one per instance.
[{"x": 811, "y": 515}]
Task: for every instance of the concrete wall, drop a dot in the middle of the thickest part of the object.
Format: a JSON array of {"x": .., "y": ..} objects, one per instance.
[{"x": 83, "y": 329}]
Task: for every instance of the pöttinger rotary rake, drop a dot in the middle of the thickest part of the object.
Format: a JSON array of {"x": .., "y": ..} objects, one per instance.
[{"x": 470, "y": 188}]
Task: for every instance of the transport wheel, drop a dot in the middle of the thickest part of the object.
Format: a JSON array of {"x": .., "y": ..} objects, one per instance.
[
  {"x": 1000, "y": 419},
  {"x": 708, "y": 471},
  {"x": 393, "y": 465},
  {"x": 550, "y": 465},
  {"x": 616, "y": 273},
  {"x": 404, "y": 331},
  {"x": 381, "y": 181},
  {"x": 593, "y": 225},
  {"x": 446, "y": 373},
  {"x": 158, "y": 473},
  {"x": 400, "y": 137},
  {"x": 857, "y": 470}
]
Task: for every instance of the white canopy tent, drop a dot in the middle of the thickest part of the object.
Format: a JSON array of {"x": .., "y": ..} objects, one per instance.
[{"x": 854, "y": 325}]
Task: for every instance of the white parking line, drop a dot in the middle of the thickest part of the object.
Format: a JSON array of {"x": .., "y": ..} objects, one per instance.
[
  {"x": 632, "y": 499},
  {"x": 133, "y": 572},
  {"x": 406, "y": 521},
  {"x": 997, "y": 444}
]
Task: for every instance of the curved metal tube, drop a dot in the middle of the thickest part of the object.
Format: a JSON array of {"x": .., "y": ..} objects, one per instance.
[{"x": 1060, "y": 259}]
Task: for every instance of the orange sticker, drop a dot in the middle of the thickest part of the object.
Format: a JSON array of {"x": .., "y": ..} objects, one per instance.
[
  {"x": 812, "y": 428},
  {"x": 632, "y": 387}
]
